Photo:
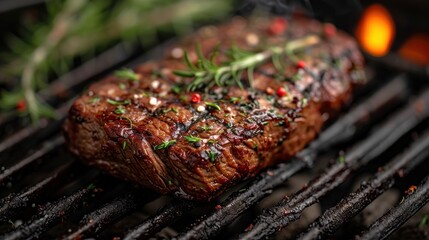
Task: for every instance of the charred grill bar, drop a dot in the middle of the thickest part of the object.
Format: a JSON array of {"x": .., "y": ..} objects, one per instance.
[
  {"x": 397, "y": 216},
  {"x": 333, "y": 218}
]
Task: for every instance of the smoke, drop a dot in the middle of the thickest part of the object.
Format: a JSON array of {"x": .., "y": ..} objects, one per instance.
[{"x": 344, "y": 13}]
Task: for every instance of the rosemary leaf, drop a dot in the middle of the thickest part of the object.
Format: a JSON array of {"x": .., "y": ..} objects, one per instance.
[
  {"x": 184, "y": 73},
  {"x": 127, "y": 74},
  {"x": 213, "y": 105},
  {"x": 188, "y": 62}
]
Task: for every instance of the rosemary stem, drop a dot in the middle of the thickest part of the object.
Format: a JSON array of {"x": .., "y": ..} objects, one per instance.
[{"x": 59, "y": 31}]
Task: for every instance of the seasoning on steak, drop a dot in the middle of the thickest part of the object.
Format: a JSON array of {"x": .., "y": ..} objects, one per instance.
[{"x": 143, "y": 125}]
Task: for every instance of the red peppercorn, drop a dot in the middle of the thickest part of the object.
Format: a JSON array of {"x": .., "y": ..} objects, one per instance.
[
  {"x": 329, "y": 30},
  {"x": 281, "y": 92},
  {"x": 21, "y": 105},
  {"x": 300, "y": 64},
  {"x": 278, "y": 26},
  {"x": 195, "y": 98}
]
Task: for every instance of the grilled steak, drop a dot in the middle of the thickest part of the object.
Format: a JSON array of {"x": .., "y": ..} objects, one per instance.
[{"x": 143, "y": 125}]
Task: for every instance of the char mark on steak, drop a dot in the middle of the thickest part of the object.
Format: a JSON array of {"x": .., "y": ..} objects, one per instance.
[{"x": 143, "y": 126}]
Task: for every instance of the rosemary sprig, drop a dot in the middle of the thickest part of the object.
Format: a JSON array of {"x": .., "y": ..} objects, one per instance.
[
  {"x": 206, "y": 73},
  {"x": 79, "y": 29}
]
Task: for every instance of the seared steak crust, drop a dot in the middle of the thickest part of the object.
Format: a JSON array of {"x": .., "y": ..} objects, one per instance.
[{"x": 146, "y": 131}]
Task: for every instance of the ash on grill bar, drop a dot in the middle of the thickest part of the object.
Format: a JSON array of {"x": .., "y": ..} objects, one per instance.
[{"x": 365, "y": 176}]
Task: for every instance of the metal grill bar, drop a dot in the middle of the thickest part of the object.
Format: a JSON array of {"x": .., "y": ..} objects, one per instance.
[
  {"x": 167, "y": 215},
  {"x": 242, "y": 200},
  {"x": 46, "y": 148},
  {"x": 29, "y": 131},
  {"x": 11, "y": 203},
  {"x": 99, "y": 219},
  {"x": 398, "y": 215},
  {"x": 49, "y": 216},
  {"x": 382, "y": 139},
  {"x": 369, "y": 190}
]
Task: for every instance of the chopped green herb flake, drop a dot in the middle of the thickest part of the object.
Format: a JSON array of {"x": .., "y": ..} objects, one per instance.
[
  {"x": 304, "y": 102},
  {"x": 169, "y": 182},
  {"x": 127, "y": 74},
  {"x": 297, "y": 77},
  {"x": 242, "y": 114},
  {"x": 235, "y": 99},
  {"x": 205, "y": 128},
  {"x": 164, "y": 145},
  {"x": 341, "y": 159},
  {"x": 192, "y": 139},
  {"x": 128, "y": 120},
  {"x": 212, "y": 155},
  {"x": 122, "y": 86},
  {"x": 255, "y": 147},
  {"x": 90, "y": 186},
  {"x": 124, "y": 145},
  {"x": 336, "y": 63},
  {"x": 424, "y": 221},
  {"x": 211, "y": 141},
  {"x": 113, "y": 102},
  {"x": 213, "y": 105},
  {"x": 264, "y": 123},
  {"x": 95, "y": 99},
  {"x": 281, "y": 123},
  {"x": 170, "y": 110},
  {"x": 120, "y": 110},
  {"x": 176, "y": 89}
]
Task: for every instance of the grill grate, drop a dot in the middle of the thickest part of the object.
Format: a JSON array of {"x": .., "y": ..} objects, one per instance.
[
  {"x": 397, "y": 216},
  {"x": 87, "y": 212},
  {"x": 290, "y": 209}
]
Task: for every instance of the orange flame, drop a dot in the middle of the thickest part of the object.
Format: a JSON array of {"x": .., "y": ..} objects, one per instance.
[
  {"x": 376, "y": 30},
  {"x": 416, "y": 49}
]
